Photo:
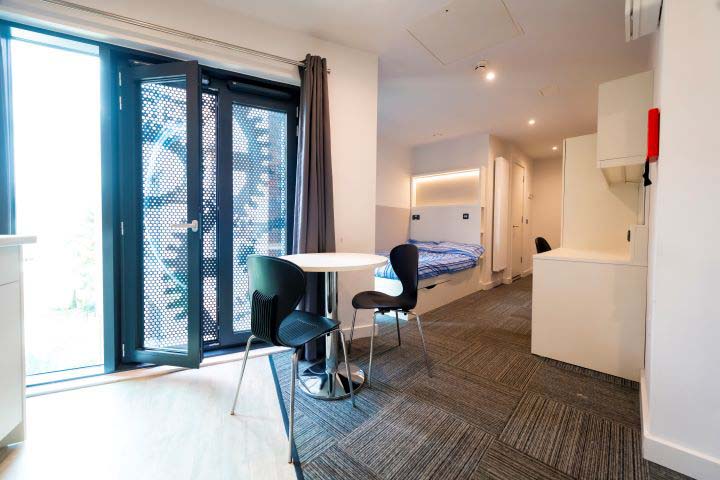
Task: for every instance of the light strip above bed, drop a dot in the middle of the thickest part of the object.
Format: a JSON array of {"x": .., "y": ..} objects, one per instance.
[{"x": 446, "y": 188}]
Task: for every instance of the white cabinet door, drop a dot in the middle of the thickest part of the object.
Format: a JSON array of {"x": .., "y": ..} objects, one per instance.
[
  {"x": 622, "y": 119},
  {"x": 11, "y": 361}
]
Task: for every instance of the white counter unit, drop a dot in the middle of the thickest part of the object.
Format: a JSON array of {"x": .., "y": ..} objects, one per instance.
[
  {"x": 12, "y": 354},
  {"x": 588, "y": 309}
]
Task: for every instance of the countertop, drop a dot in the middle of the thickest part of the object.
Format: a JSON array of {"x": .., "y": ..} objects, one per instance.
[
  {"x": 587, "y": 256},
  {"x": 14, "y": 240}
]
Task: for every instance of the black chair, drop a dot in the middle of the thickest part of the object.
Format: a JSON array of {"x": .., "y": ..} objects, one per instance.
[
  {"x": 404, "y": 261},
  {"x": 277, "y": 287},
  {"x": 542, "y": 245}
]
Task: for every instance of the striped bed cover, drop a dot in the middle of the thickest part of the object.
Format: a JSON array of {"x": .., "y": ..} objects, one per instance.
[{"x": 438, "y": 258}]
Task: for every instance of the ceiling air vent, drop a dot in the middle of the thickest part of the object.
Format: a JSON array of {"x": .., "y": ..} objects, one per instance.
[{"x": 465, "y": 27}]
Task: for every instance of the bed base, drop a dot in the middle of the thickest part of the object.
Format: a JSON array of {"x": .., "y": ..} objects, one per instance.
[{"x": 437, "y": 291}]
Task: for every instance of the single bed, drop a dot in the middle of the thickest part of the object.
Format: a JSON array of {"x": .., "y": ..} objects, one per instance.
[{"x": 446, "y": 271}]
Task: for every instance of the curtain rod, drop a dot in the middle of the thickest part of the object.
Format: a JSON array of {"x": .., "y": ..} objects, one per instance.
[{"x": 177, "y": 33}]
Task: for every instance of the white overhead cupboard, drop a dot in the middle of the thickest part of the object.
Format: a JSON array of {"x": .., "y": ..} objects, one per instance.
[
  {"x": 623, "y": 106},
  {"x": 12, "y": 354}
]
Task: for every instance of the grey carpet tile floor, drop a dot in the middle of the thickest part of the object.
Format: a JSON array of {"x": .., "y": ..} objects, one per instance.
[{"x": 491, "y": 410}]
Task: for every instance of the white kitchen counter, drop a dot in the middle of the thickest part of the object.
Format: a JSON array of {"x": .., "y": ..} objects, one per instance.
[
  {"x": 588, "y": 309},
  {"x": 12, "y": 356},
  {"x": 15, "y": 240},
  {"x": 588, "y": 256}
]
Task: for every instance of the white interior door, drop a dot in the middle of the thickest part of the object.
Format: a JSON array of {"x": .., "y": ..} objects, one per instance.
[{"x": 517, "y": 217}]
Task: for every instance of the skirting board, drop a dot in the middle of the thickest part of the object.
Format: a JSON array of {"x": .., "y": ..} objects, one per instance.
[
  {"x": 669, "y": 454},
  {"x": 361, "y": 331},
  {"x": 490, "y": 284}
]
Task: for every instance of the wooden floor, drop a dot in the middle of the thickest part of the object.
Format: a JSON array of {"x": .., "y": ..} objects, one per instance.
[{"x": 175, "y": 426}]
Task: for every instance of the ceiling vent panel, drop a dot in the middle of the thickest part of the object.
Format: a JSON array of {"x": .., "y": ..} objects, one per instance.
[{"x": 465, "y": 27}]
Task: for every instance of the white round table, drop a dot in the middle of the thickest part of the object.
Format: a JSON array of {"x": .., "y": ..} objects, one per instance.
[{"x": 325, "y": 380}]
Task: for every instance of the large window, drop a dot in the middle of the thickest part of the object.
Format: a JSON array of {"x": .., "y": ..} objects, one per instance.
[
  {"x": 148, "y": 182},
  {"x": 55, "y": 91}
]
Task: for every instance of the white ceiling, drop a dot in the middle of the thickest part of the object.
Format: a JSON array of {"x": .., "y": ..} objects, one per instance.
[{"x": 568, "y": 45}]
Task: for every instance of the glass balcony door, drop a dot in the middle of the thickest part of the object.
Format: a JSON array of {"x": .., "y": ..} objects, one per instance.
[
  {"x": 162, "y": 214},
  {"x": 56, "y": 162},
  {"x": 256, "y": 190}
]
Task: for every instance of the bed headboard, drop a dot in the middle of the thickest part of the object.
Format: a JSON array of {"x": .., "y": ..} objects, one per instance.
[
  {"x": 447, "y": 223},
  {"x": 433, "y": 219}
]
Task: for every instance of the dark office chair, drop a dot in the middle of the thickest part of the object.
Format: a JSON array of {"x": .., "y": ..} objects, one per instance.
[
  {"x": 542, "y": 245},
  {"x": 404, "y": 261},
  {"x": 277, "y": 287}
]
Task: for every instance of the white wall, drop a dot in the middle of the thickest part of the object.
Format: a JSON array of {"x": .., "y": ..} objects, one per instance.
[
  {"x": 394, "y": 172},
  {"x": 353, "y": 90},
  {"x": 682, "y": 380},
  {"x": 547, "y": 200},
  {"x": 393, "y": 177},
  {"x": 460, "y": 153},
  {"x": 595, "y": 216}
]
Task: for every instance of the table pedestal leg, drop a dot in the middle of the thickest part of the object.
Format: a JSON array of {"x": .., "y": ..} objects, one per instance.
[{"x": 326, "y": 380}]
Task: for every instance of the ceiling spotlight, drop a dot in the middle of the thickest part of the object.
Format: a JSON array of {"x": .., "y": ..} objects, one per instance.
[
  {"x": 531, "y": 121},
  {"x": 554, "y": 147},
  {"x": 490, "y": 76}
]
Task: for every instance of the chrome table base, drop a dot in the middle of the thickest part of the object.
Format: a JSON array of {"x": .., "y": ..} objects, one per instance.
[
  {"x": 316, "y": 382},
  {"x": 327, "y": 380}
]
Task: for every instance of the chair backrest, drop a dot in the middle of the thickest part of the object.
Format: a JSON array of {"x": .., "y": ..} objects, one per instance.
[
  {"x": 404, "y": 260},
  {"x": 276, "y": 288},
  {"x": 542, "y": 245}
]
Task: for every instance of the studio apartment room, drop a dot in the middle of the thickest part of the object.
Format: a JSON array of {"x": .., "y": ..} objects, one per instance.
[{"x": 388, "y": 239}]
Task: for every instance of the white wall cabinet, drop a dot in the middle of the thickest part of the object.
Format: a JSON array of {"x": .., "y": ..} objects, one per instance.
[
  {"x": 12, "y": 354},
  {"x": 623, "y": 106}
]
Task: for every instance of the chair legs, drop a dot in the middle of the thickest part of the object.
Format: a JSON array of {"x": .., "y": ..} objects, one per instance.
[
  {"x": 397, "y": 325},
  {"x": 347, "y": 368},
  {"x": 291, "y": 432},
  {"x": 242, "y": 372},
  {"x": 352, "y": 331},
  {"x": 422, "y": 339},
  {"x": 372, "y": 342}
]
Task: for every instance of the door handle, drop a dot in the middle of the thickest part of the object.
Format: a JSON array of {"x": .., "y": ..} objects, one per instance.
[
  {"x": 516, "y": 226},
  {"x": 183, "y": 226}
]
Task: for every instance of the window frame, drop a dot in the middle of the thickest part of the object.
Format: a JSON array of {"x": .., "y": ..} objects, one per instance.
[{"x": 112, "y": 57}]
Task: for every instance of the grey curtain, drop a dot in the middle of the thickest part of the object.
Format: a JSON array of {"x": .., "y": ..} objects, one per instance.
[{"x": 314, "y": 225}]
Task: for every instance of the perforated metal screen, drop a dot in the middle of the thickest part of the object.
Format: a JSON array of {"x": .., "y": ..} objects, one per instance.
[
  {"x": 209, "y": 216},
  {"x": 163, "y": 129},
  {"x": 259, "y": 148}
]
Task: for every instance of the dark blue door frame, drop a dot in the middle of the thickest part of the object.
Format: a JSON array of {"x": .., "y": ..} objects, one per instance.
[
  {"x": 285, "y": 103},
  {"x": 134, "y": 348},
  {"x": 114, "y": 177}
]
